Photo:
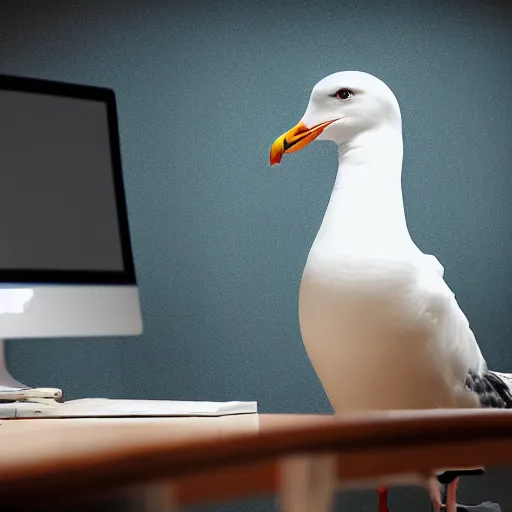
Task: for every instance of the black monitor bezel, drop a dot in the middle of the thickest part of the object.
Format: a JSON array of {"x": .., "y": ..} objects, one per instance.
[{"x": 80, "y": 277}]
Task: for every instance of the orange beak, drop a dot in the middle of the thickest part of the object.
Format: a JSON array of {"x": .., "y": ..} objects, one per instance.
[{"x": 295, "y": 139}]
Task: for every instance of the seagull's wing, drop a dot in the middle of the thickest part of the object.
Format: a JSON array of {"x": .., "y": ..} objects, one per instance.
[
  {"x": 431, "y": 261},
  {"x": 454, "y": 339}
]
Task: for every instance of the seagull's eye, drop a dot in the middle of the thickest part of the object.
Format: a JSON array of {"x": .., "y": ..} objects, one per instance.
[{"x": 344, "y": 94}]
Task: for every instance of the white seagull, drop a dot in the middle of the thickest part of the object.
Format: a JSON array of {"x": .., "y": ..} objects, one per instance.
[{"x": 380, "y": 325}]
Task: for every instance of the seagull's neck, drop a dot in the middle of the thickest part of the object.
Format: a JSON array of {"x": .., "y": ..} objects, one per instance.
[{"x": 366, "y": 205}]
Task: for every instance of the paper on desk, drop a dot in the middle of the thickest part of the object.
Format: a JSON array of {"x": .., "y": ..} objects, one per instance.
[{"x": 105, "y": 407}]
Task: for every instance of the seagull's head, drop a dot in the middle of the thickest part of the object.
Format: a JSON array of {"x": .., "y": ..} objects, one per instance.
[{"x": 341, "y": 106}]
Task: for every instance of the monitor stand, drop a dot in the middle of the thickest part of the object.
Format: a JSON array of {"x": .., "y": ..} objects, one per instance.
[{"x": 7, "y": 381}]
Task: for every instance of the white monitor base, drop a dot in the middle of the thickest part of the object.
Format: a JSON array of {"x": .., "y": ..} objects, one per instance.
[{"x": 7, "y": 381}]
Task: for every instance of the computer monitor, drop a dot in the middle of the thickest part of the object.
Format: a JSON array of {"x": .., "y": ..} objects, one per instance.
[{"x": 66, "y": 265}]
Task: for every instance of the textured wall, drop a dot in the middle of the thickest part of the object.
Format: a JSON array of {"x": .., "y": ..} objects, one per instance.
[{"x": 219, "y": 238}]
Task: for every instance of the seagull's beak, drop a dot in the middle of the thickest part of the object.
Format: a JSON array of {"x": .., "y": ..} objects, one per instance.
[{"x": 295, "y": 139}]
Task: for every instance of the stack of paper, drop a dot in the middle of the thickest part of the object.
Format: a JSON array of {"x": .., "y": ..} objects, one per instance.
[{"x": 105, "y": 408}]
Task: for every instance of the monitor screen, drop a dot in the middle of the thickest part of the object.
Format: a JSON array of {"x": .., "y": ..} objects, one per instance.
[
  {"x": 61, "y": 214},
  {"x": 66, "y": 265}
]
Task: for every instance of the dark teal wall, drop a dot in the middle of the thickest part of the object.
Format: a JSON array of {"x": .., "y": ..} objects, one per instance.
[{"x": 219, "y": 238}]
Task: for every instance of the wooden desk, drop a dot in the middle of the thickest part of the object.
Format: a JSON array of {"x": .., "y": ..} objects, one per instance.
[{"x": 232, "y": 457}]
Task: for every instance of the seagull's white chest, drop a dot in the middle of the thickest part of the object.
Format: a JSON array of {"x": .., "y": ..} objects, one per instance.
[
  {"x": 351, "y": 298},
  {"x": 352, "y": 322}
]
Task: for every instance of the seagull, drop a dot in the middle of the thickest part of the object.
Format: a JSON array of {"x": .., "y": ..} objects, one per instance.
[{"x": 380, "y": 325}]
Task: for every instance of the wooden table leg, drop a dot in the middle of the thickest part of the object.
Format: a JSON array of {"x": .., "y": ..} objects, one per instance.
[
  {"x": 154, "y": 497},
  {"x": 307, "y": 483}
]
